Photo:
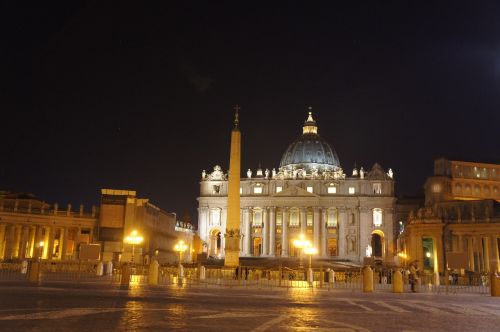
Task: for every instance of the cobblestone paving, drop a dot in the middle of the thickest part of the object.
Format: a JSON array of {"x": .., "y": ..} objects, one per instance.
[{"x": 93, "y": 308}]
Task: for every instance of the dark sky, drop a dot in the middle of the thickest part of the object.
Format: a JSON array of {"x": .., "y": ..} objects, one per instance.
[{"x": 137, "y": 96}]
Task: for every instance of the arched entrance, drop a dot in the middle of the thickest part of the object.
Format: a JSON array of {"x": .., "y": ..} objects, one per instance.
[
  {"x": 377, "y": 243},
  {"x": 215, "y": 243}
]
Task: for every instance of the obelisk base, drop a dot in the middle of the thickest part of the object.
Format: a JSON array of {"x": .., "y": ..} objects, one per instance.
[{"x": 232, "y": 250}]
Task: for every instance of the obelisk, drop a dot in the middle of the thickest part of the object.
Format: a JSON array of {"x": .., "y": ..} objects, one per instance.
[{"x": 232, "y": 236}]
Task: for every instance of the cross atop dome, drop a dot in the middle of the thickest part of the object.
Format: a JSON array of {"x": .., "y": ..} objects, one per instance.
[{"x": 310, "y": 125}]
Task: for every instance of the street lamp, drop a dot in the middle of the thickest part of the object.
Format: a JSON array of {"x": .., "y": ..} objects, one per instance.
[
  {"x": 310, "y": 251},
  {"x": 133, "y": 239},
  {"x": 180, "y": 247},
  {"x": 301, "y": 243}
]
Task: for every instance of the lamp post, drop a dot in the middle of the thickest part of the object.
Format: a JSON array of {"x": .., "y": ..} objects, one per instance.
[
  {"x": 300, "y": 244},
  {"x": 180, "y": 247},
  {"x": 133, "y": 239},
  {"x": 310, "y": 251}
]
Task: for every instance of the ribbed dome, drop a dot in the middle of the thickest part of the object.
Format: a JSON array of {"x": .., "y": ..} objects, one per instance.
[{"x": 310, "y": 151}]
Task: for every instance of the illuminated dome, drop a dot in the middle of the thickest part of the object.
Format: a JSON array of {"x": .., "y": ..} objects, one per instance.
[{"x": 310, "y": 151}]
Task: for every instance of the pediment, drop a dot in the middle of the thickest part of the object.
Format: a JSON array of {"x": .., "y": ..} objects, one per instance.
[{"x": 294, "y": 191}]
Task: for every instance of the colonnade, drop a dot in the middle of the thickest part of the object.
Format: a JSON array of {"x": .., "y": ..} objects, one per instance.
[
  {"x": 267, "y": 230},
  {"x": 20, "y": 241}
]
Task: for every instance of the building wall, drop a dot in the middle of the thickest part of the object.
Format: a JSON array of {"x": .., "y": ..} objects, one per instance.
[
  {"x": 274, "y": 211},
  {"x": 30, "y": 228}
]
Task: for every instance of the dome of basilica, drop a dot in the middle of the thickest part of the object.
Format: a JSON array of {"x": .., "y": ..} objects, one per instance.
[{"x": 310, "y": 151}]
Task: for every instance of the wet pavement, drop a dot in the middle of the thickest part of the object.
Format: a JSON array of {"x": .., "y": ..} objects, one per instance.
[{"x": 64, "y": 307}]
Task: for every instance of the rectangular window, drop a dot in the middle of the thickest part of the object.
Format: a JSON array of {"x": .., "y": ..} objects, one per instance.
[
  {"x": 279, "y": 189},
  {"x": 352, "y": 190},
  {"x": 377, "y": 188},
  {"x": 257, "y": 190},
  {"x": 332, "y": 190},
  {"x": 257, "y": 219},
  {"x": 279, "y": 218},
  {"x": 309, "y": 218},
  {"x": 294, "y": 218},
  {"x": 377, "y": 217},
  {"x": 241, "y": 190},
  {"x": 436, "y": 188},
  {"x": 310, "y": 189},
  {"x": 332, "y": 218}
]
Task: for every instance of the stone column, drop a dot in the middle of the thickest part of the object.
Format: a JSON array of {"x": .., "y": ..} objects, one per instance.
[
  {"x": 9, "y": 241},
  {"x": 316, "y": 228},
  {"x": 324, "y": 232},
  {"x": 303, "y": 221},
  {"x": 470, "y": 253},
  {"x": 2, "y": 239},
  {"x": 272, "y": 231},
  {"x": 365, "y": 220},
  {"x": 31, "y": 244},
  {"x": 23, "y": 245},
  {"x": 64, "y": 247},
  {"x": 17, "y": 241},
  {"x": 265, "y": 232},
  {"x": 249, "y": 232},
  {"x": 246, "y": 249},
  {"x": 342, "y": 232},
  {"x": 284, "y": 232},
  {"x": 50, "y": 242}
]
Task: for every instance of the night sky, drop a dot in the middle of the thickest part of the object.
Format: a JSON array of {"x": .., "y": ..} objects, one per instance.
[{"x": 136, "y": 96}]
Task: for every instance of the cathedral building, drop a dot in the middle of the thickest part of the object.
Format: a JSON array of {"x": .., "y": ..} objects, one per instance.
[{"x": 344, "y": 217}]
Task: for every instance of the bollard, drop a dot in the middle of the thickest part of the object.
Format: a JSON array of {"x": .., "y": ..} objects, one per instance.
[
  {"x": 397, "y": 282},
  {"x": 331, "y": 276},
  {"x": 495, "y": 285},
  {"x": 436, "y": 279},
  {"x": 125, "y": 281},
  {"x": 367, "y": 279},
  {"x": 34, "y": 272},
  {"x": 109, "y": 268},
  {"x": 24, "y": 267},
  {"x": 153, "y": 273},
  {"x": 203, "y": 272},
  {"x": 99, "y": 269},
  {"x": 310, "y": 276}
]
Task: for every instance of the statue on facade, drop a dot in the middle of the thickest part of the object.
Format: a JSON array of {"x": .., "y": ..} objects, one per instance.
[
  {"x": 390, "y": 173},
  {"x": 267, "y": 173},
  {"x": 314, "y": 173},
  {"x": 294, "y": 174},
  {"x": 249, "y": 173},
  {"x": 274, "y": 173},
  {"x": 362, "y": 173},
  {"x": 203, "y": 174},
  {"x": 368, "y": 251}
]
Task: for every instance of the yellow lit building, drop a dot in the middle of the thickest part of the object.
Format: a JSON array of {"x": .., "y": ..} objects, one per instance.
[
  {"x": 31, "y": 228},
  {"x": 460, "y": 223}
]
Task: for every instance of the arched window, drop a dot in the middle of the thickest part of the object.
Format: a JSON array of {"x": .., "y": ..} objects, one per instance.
[{"x": 377, "y": 217}]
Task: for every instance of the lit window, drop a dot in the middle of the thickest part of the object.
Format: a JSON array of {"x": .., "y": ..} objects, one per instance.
[
  {"x": 257, "y": 190},
  {"x": 332, "y": 218},
  {"x": 310, "y": 189},
  {"x": 377, "y": 188},
  {"x": 436, "y": 188},
  {"x": 257, "y": 219},
  {"x": 279, "y": 189},
  {"x": 241, "y": 190},
  {"x": 352, "y": 190},
  {"x": 309, "y": 219},
  {"x": 377, "y": 217},
  {"x": 294, "y": 218},
  {"x": 332, "y": 190}
]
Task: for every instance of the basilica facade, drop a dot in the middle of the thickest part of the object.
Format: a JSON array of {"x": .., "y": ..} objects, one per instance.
[{"x": 344, "y": 217}]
